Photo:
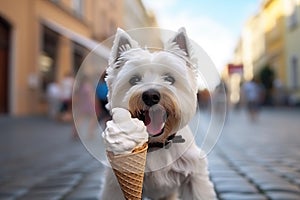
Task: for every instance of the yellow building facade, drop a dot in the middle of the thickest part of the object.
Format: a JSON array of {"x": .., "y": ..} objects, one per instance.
[
  {"x": 271, "y": 38},
  {"x": 273, "y": 14},
  {"x": 46, "y": 39},
  {"x": 249, "y": 53},
  {"x": 42, "y": 40},
  {"x": 292, "y": 8}
]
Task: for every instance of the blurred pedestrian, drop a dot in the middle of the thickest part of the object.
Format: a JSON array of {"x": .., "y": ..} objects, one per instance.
[
  {"x": 84, "y": 100},
  {"x": 280, "y": 96},
  {"x": 219, "y": 99},
  {"x": 101, "y": 95},
  {"x": 53, "y": 98},
  {"x": 252, "y": 96},
  {"x": 204, "y": 99},
  {"x": 66, "y": 86}
]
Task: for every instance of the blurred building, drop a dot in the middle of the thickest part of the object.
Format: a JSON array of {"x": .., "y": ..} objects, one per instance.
[
  {"x": 42, "y": 40},
  {"x": 292, "y": 8},
  {"x": 269, "y": 38},
  {"x": 249, "y": 53},
  {"x": 137, "y": 16},
  {"x": 254, "y": 46},
  {"x": 274, "y": 28}
]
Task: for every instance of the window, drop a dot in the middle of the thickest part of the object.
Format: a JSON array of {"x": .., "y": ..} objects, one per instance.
[
  {"x": 78, "y": 7},
  {"x": 79, "y": 54},
  {"x": 292, "y": 18},
  {"x": 55, "y": 1},
  {"x": 294, "y": 72},
  {"x": 48, "y": 57}
]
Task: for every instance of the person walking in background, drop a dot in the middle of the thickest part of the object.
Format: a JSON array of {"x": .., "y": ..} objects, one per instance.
[
  {"x": 101, "y": 95},
  {"x": 252, "y": 95},
  {"x": 53, "y": 98},
  {"x": 219, "y": 97},
  {"x": 66, "y": 86},
  {"x": 86, "y": 106}
]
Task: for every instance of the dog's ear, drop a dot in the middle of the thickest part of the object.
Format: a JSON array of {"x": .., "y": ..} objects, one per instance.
[
  {"x": 179, "y": 41},
  {"x": 122, "y": 43}
]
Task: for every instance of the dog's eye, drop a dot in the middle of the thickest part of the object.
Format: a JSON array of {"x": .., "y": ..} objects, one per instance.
[
  {"x": 134, "y": 80},
  {"x": 169, "y": 79}
]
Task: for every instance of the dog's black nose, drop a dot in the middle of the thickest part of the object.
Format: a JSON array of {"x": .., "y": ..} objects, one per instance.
[{"x": 151, "y": 97}]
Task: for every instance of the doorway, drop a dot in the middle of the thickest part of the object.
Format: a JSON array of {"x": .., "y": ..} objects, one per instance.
[{"x": 5, "y": 33}]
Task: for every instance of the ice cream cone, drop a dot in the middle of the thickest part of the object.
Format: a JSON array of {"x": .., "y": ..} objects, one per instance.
[{"x": 129, "y": 170}]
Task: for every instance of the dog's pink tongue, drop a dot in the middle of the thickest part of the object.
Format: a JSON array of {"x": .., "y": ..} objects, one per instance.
[{"x": 155, "y": 119}]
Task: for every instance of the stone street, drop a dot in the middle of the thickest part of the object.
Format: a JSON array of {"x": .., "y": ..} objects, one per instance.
[
  {"x": 251, "y": 161},
  {"x": 258, "y": 160}
]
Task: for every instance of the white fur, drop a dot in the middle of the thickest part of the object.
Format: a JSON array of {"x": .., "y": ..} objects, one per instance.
[{"x": 179, "y": 172}]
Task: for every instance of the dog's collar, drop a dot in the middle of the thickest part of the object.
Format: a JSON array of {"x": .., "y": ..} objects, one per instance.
[{"x": 152, "y": 146}]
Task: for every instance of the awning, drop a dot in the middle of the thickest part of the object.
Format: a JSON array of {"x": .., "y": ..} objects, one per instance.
[{"x": 90, "y": 44}]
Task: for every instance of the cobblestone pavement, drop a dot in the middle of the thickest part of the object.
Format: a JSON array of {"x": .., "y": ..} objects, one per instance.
[
  {"x": 252, "y": 160},
  {"x": 258, "y": 160},
  {"x": 40, "y": 160}
]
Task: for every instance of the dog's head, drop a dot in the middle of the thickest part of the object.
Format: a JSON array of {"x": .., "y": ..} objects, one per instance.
[{"x": 157, "y": 87}]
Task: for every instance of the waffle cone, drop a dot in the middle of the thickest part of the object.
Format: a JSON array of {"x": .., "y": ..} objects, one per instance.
[{"x": 129, "y": 170}]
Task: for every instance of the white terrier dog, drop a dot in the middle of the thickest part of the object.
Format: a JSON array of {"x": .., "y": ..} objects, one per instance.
[{"x": 160, "y": 89}]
